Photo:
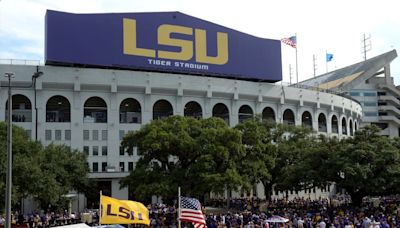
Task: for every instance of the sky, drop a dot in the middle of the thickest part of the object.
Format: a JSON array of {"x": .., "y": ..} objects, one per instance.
[{"x": 321, "y": 26}]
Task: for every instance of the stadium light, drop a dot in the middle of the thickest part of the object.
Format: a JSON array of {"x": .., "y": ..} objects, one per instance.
[{"x": 10, "y": 75}]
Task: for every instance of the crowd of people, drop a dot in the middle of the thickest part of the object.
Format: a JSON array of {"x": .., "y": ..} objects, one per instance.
[
  {"x": 299, "y": 212},
  {"x": 252, "y": 212}
]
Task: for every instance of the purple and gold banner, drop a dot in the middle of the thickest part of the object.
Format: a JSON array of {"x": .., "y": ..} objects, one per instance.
[{"x": 164, "y": 42}]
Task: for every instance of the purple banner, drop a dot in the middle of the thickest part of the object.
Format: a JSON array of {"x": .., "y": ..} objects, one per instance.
[{"x": 164, "y": 42}]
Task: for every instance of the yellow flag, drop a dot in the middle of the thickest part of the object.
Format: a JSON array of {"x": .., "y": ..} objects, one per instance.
[{"x": 114, "y": 211}]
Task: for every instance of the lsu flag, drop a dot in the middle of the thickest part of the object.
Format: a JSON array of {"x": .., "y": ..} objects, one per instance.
[
  {"x": 329, "y": 57},
  {"x": 114, "y": 211}
]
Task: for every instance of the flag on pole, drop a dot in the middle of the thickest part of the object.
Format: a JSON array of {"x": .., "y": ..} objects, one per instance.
[
  {"x": 329, "y": 57},
  {"x": 115, "y": 211},
  {"x": 191, "y": 212},
  {"x": 291, "y": 41}
]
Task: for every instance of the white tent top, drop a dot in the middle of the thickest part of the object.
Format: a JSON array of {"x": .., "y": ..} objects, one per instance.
[{"x": 79, "y": 225}]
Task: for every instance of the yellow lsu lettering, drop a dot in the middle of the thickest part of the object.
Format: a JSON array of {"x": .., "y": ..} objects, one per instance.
[
  {"x": 186, "y": 46},
  {"x": 123, "y": 213}
]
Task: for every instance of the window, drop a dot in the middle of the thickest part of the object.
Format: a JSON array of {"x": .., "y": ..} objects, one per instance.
[
  {"x": 95, "y": 167},
  {"x": 370, "y": 114},
  {"x": 130, "y": 166},
  {"x": 381, "y": 93},
  {"x": 104, "y": 150},
  {"x": 67, "y": 134},
  {"x": 121, "y": 151},
  {"x": 369, "y": 94},
  {"x": 138, "y": 152},
  {"x": 121, "y": 134},
  {"x": 104, "y": 135},
  {"x": 95, "y": 135},
  {"x": 86, "y": 150},
  {"x": 48, "y": 135},
  {"x": 85, "y": 134},
  {"x": 58, "y": 109},
  {"x": 104, "y": 166},
  {"x": 369, "y": 104},
  {"x": 58, "y": 135},
  {"x": 122, "y": 166},
  {"x": 354, "y": 94},
  {"x": 95, "y": 150}
]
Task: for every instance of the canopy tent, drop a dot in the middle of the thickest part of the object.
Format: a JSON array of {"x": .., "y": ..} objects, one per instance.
[
  {"x": 277, "y": 219},
  {"x": 79, "y": 225}
]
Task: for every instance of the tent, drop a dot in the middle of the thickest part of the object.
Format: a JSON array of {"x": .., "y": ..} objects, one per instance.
[
  {"x": 79, "y": 225},
  {"x": 277, "y": 219}
]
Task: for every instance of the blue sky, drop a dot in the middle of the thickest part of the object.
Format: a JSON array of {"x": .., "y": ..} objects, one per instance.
[{"x": 321, "y": 26}]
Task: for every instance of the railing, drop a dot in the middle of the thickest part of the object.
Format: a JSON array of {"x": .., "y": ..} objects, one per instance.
[
  {"x": 22, "y": 62},
  {"x": 339, "y": 93}
]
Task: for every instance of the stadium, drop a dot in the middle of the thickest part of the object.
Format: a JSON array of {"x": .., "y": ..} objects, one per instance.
[{"x": 108, "y": 74}]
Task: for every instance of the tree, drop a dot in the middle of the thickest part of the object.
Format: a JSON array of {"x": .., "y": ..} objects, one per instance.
[
  {"x": 370, "y": 165},
  {"x": 367, "y": 164},
  {"x": 199, "y": 155},
  {"x": 62, "y": 170},
  {"x": 46, "y": 174},
  {"x": 25, "y": 168},
  {"x": 260, "y": 152},
  {"x": 292, "y": 143}
]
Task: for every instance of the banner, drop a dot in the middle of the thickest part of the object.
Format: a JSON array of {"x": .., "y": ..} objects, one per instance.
[
  {"x": 114, "y": 211},
  {"x": 162, "y": 42}
]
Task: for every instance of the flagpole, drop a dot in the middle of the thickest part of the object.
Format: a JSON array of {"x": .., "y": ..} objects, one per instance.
[
  {"x": 179, "y": 207},
  {"x": 297, "y": 70},
  {"x": 326, "y": 60},
  {"x": 100, "y": 212}
]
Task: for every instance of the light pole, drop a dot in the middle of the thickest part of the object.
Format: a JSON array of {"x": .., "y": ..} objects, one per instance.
[
  {"x": 9, "y": 154},
  {"x": 10, "y": 75}
]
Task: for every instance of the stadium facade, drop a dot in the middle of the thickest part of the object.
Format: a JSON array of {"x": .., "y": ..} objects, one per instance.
[
  {"x": 371, "y": 83},
  {"x": 89, "y": 97}
]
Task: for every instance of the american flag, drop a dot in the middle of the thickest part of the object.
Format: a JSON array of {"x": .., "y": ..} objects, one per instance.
[
  {"x": 292, "y": 41},
  {"x": 191, "y": 212}
]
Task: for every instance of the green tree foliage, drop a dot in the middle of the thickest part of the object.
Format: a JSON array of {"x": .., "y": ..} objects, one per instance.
[
  {"x": 23, "y": 170},
  {"x": 199, "y": 155},
  {"x": 293, "y": 144},
  {"x": 63, "y": 169},
  {"x": 366, "y": 165},
  {"x": 260, "y": 151},
  {"x": 46, "y": 174}
]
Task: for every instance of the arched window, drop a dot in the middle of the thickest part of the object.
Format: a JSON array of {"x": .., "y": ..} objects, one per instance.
[
  {"x": 306, "y": 119},
  {"x": 95, "y": 110},
  {"x": 21, "y": 109},
  {"x": 335, "y": 125},
  {"x": 351, "y": 127},
  {"x": 344, "y": 126},
  {"x": 162, "y": 109},
  {"x": 58, "y": 109},
  {"x": 355, "y": 126},
  {"x": 288, "y": 117},
  {"x": 268, "y": 114},
  {"x": 322, "y": 123},
  {"x": 193, "y": 109},
  {"x": 245, "y": 112},
  {"x": 220, "y": 110},
  {"x": 130, "y": 111}
]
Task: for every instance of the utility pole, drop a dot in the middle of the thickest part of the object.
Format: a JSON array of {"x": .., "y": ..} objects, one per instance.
[
  {"x": 9, "y": 154},
  {"x": 314, "y": 65},
  {"x": 366, "y": 45}
]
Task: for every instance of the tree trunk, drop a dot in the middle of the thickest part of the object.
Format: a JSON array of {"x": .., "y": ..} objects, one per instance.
[
  {"x": 356, "y": 198},
  {"x": 267, "y": 190}
]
